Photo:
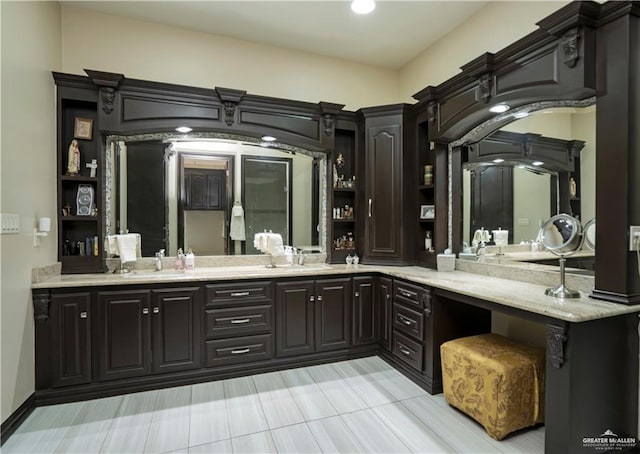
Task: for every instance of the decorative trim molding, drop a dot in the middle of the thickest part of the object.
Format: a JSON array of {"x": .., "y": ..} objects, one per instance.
[
  {"x": 556, "y": 337},
  {"x": 328, "y": 124},
  {"x": 15, "y": 419},
  {"x": 569, "y": 42},
  {"x": 432, "y": 111},
  {"x": 229, "y": 112},
  {"x": 41, "y": 302}
]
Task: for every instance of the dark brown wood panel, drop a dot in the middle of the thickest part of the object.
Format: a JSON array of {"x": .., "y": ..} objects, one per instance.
[
  {"x": 295, "y": 318},
  {"x": 492, "y": 199},
  {"x": 365, "y": 323},
  {"x": 176, "y": 314},
  {"x": 71, "y": 333},
  {"x": 384, "y": 292},
  {"x": 333, "y": 314},
  {"x": 123, "y": 342}
]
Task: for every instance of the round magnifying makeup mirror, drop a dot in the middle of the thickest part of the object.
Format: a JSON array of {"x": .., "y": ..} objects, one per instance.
[
  {"x": 562, "y": 235},
  {"x": 590, "y": 234}
]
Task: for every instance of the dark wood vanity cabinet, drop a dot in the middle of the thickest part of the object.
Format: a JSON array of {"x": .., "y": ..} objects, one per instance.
[
  {"x": 141, "y": 332},
  {"x": 389, "y": 189},
  {"x": 71, "y": 335},
  {"x": 313, "y": 316},
  {"x": 383, "y": 292}
]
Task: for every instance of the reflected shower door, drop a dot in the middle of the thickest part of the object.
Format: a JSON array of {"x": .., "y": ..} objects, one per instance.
[{"x": 266, "y": 198}]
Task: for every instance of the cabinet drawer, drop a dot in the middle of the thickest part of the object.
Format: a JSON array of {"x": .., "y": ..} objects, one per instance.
[
  {"x": 240, "y": 293},
  {"x": 407, "y": 350},
  {"x": 408, "y": 294},
  {"x": 239, "y": 350},
  {"x": 240, "y": 321},
  {"x": 407, "y": 321}
]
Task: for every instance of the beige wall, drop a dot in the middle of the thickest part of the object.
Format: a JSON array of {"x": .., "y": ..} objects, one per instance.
[
  {"x": 489, "y": 30},
  {"x": 144, "y": 50},
  {"x": 30, "y": 51}
]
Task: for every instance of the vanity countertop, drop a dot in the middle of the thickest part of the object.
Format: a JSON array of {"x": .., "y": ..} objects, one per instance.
[{"x": 521, "y": 295}]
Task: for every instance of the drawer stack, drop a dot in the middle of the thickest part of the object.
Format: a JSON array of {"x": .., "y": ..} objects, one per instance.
[
  {"x": 238, "y": 322},
  {"x": 409, "y": 323}
]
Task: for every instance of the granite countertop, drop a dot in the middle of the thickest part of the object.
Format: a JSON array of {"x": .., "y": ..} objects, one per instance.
[{"x": 511, "y": 293}]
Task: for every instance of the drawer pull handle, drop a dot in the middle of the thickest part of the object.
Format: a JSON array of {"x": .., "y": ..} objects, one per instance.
[
  {"x": 156, "y": 310},
  {"x": 405, "y": 320},
  {"x": 83, "y": 314},
  {"x": 145, "y": 310},
  {"x": 239, "y": 321},
  {"x": 241, "y": 351},
  {"x": 407, "y": 294},
  {"x": 370, "y": 202},
  {"x": 404, "y": 350},
  {"x": 240, "y": 294}
]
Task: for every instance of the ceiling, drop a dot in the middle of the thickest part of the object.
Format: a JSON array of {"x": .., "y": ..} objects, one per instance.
[{"x": 391, "y": 36}]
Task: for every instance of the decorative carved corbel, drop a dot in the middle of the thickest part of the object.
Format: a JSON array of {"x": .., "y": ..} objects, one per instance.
[
  {"x": 169, "y": 152},
  {"x": 556, "y": 337},
  {"x": 229, "y": 112},
  {"x": 432, "y": 111},
  {"x": 230, "y": 99},
  {"x": 41, "y": 302},
  {"x": 329, "y": 111},
  {"x": 107, "y": 94},
  {"x": 328, "y": 124},
  {"x": 570, "y": 48},
  {"x": 484, "y": 88}
]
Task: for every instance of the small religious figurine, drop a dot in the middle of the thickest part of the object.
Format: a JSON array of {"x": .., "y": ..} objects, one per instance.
[{"x": 73, "y": 164}]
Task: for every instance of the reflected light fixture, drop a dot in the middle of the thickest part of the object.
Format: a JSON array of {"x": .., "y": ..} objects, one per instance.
[
  {"x": 498, "y": 160},
  {"x": 363, "y": 6},
  {"x": 499, "y": 108},
  {"x": 184, "y": 129},
  {"x": 537, "y": 163},
  {"x": 268, "y": 138}
]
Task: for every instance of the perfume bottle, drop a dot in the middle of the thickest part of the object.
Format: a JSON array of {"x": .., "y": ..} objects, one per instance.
[{"x": 427, "y": 241}]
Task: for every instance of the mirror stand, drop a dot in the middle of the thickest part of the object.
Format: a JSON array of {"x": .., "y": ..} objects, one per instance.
[{"x": 562, "y": 291}]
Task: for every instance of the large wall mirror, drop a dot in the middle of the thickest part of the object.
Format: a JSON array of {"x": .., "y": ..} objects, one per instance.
[
  {"x": 181, "y": 192},
  {"x": 521, "y": 196}
]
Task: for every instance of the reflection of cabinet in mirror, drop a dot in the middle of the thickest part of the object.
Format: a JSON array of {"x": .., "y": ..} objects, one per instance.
[{"x": 204, "y": 189}]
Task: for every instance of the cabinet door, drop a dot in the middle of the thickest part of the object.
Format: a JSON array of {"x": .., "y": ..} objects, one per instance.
[
  {"x": 175, "y": 314},
  {"x": 124, "y": 347},
  {"x": 333, "y": 314},
  {"x": 384, "y": 290},
  {"x": 205, "y": 189},
  {"x": 294, "y": 318},
  {"x": 71, "y": 352},
  {"x": 364, "y": 320},
  {"x": 383, "y": 191},
  {"x": 196, "y": 191}
]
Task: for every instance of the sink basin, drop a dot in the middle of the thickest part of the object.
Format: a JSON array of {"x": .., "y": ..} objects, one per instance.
[{"x": 251, "y": 270}]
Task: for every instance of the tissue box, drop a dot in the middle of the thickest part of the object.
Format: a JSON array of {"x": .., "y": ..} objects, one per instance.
[{"x": 446, "y": 262}]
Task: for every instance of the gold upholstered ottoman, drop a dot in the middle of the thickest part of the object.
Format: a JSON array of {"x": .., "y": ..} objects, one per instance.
[{"x": 495, "y": 380}]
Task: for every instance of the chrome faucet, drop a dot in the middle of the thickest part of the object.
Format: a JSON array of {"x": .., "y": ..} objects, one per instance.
[
  {"x": 300, "y": 257},
  {"x": 159, "y": 257}
]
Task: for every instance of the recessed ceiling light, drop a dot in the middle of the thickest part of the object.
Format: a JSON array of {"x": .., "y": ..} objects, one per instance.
[
  {"x": 268, "y": 138},
  {"x": 499, "y": 108},
  {"x": 537, "y": 163},
  {"x": 498, "y": 160},
  {"x": 363, "y": 6},
  {"x": 184, "y": 129}
]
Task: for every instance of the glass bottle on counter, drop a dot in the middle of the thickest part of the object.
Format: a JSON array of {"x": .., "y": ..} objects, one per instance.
[{"x": 427, "y": 241}]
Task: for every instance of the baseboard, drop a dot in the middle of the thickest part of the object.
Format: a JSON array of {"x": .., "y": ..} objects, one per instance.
[{"x": 16, "y": 418}]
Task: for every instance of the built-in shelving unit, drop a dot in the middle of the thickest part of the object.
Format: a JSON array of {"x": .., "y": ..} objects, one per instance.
[{"x": 80, "y": 230}]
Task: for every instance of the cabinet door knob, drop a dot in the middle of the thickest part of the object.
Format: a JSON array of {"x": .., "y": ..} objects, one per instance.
[
  {"x": 145, "y": 310},
  {"x": 83, "y": 314},
  {"x": 357, "y": 294},
  {"x": 312, "y": 298},
  {"x": 156, "y": 310},
  {"x": 319, "y": 297}
]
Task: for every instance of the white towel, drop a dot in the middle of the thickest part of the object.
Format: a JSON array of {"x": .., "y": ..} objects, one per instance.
[
  {"x": 236, "y": 230},
  {"x": 275, "y": 245},
  {"x": 127, "y": 246}
]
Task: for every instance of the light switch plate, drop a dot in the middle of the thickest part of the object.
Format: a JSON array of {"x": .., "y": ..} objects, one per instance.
[
  {"x": 634, "y": 237},
  {"x": 10, "y": 223}
]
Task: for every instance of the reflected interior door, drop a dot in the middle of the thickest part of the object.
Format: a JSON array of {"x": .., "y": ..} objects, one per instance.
[
  {"x": 492, "y": 199},
  {"x": 266, "y": 197},
  {"x": 145, "y": 178}
]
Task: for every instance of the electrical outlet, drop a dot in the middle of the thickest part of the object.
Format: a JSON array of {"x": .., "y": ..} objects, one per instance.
[{"x": 634, "y": 237}]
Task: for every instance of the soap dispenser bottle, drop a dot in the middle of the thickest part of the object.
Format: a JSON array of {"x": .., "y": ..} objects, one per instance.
[
  {"x": 179, "y": 265},
  {"x": 190, "y": 261}
]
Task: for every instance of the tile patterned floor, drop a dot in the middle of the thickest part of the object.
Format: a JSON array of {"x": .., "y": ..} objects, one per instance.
[{"x": 362, "y": 405}]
